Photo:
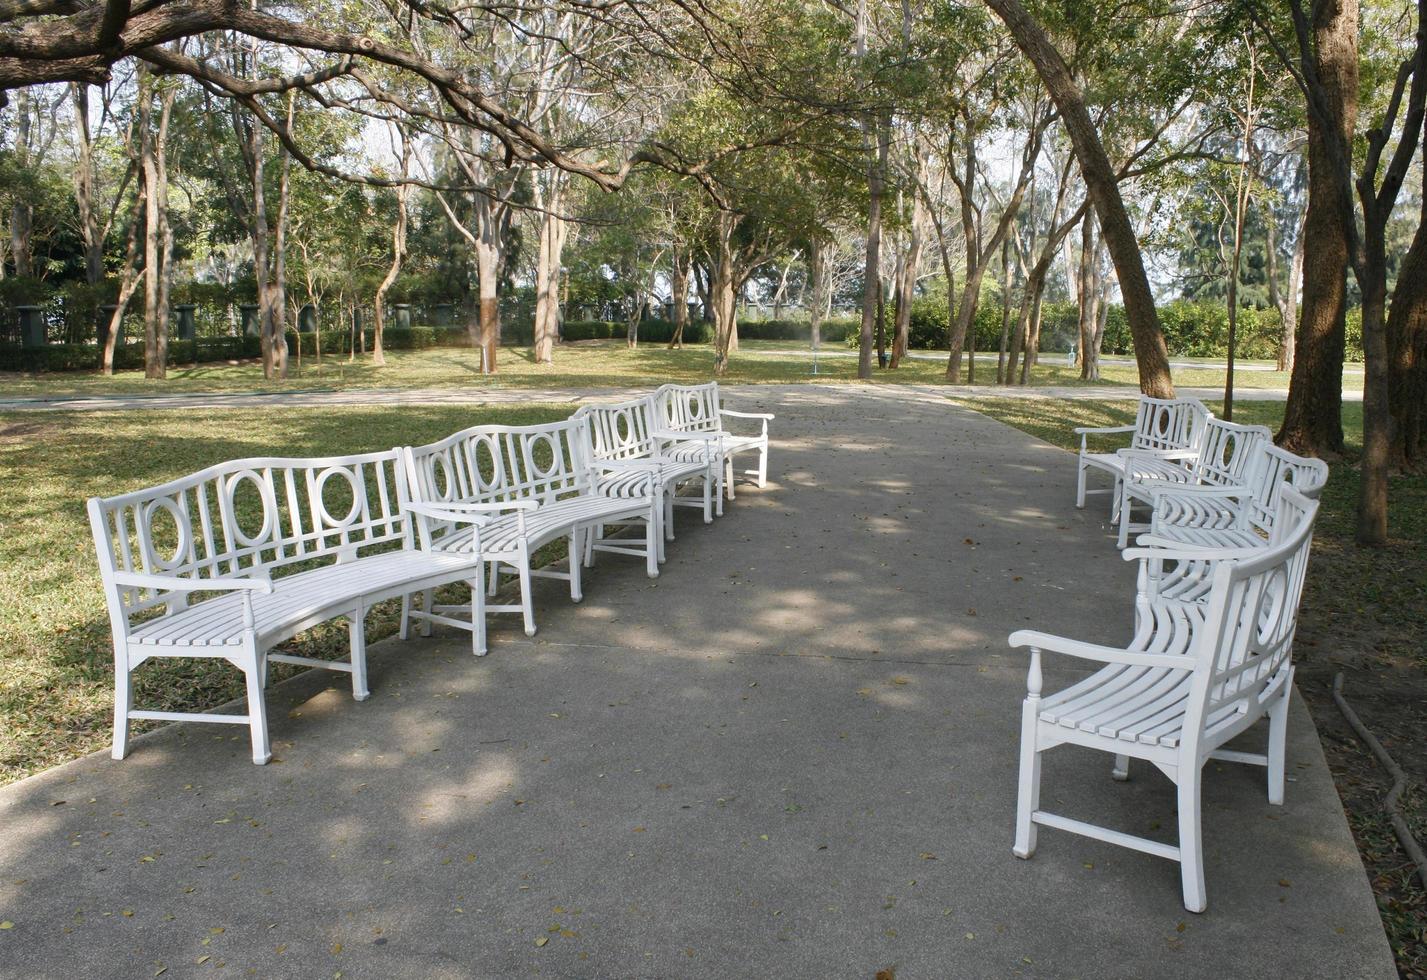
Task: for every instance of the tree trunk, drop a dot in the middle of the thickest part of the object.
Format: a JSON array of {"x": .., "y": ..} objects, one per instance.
[
  {"x": 22, "y": 211},
  {"x": 128, "y": 284},
  {"x": 1101, "y": 182},
  {"x": 871, "y": 267},
  {"x": 1003, "y": 351},
  {"x": 907, "y": 282},
  {"x": 90, "y": 227},
  {"x": 722, "y": 290},
  {"x": 821, "y": 289},
  {"x": 1313, "y": 414},
  {"x": 553, "y": 230},
  {"x": 1407, "y": 351},
  {"x": 679, "y": 295}
]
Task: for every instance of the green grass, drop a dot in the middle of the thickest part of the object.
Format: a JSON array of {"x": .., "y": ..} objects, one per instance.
[
  {"x": 56, "y": 692},
  {"x": 592, "y": 364}
]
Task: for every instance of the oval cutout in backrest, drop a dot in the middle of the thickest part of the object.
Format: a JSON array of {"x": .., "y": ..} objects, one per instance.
[
  {"x": 166, "y": 536},
  {"x": 250, "y": 503},
  {"x": 333, "y": 497}
]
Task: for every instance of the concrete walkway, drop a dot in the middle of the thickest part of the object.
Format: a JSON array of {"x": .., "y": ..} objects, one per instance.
[
  {"x": 494, "y": 395},
  {"x": 792, "y": 755}
]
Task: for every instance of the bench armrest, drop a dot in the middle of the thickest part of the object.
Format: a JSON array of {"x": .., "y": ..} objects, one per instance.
[
  {"x": 181, "y": 583},
  {"x": 765, "y": 416},
  {"x": 678, "y": 434},
  {"x": 1101, "y": 430},
  {"x": 1050, "y": 643},
  {"x": 1152, "y": 547},
  {"x": 1203, "y": 491},
  {"x": 456, "y": 511}
]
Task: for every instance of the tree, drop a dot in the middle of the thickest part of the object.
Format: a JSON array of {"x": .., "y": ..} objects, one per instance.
[{"x": 1102, "y": 184}]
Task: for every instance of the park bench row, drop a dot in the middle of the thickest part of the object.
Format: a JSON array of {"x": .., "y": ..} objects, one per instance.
[
  {"x": 1220, "y": 576},
  {"x": 228, "y": 562}
]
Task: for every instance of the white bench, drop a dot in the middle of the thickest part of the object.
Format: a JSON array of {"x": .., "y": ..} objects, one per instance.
[
  {"x": 1196, "y": 674},
  {"x": 507, "y": 491},
  {"x": 629, "y": 462},
  {"x": 1221, "y": 461},
  {"x": 232, "y": 560},
  {"x": 1233, "y": 516},
  {"x": 691, "y": 414},
  {"x": 1166, "y": 427}
]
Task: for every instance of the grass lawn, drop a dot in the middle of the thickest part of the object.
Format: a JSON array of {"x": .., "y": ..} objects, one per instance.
[
  {"x": 56, "y": 692},
  {"x": 1364, "y": 612},
  {"x": 590, "y": 364}
]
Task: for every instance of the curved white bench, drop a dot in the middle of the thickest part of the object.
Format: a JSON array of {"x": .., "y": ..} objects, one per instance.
[
  {"x": 506, "y": 491},
  {"x": 690, "y": 421},
  {"x": 1195, "y": 675},
  {"x": 243, "y": 555},
  {"x": 1221, "y": 461},
  {"x": 628, "y": 463},
  {"x": 1169, "y": 428}
]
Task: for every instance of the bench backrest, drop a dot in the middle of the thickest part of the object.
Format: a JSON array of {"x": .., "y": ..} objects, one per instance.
[
  {"x": 620, "y": 430},
  {"x": 1225, "y": 449},
  {"x": 246, "y": 518},
  {"x": 1247, "y": 637},
  {"x": 689, "y": 408},
  {"x": 502, "y": 463},
  {"x": 1272, "y": 469},
  {"x": 1168, "y": 424}
]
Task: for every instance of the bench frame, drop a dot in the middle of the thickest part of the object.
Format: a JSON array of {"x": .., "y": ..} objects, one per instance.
[
  {"x": 695, "y": 412},
  {"x": 213, "y": 552}
]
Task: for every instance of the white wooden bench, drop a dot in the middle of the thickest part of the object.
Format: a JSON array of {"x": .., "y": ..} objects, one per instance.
[
  {"x": 629, "y": 463},
  {"x": 232, "y": 560},
  {"x": 1221, "y": 461},
  {"x": 1166, "y": 427},
  {"x": 1232, "y": 516},
  {"x": 692, "y": 414},
  {"x": 1195, "y": 675},
  {"x": 509, "y": 490}
]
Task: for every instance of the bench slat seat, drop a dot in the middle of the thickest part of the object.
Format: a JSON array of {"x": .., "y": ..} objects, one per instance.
[
  {"x": 302, "y": 601},
  {"x": 504, "y": 536}
]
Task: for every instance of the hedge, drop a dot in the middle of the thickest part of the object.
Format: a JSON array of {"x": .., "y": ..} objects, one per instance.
[{"x": 653, "y": 330}]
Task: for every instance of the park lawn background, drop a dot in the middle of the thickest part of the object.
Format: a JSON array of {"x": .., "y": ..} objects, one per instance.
[
  {"x": 1364, "y": 612},
  {"x": 590, "y": 364},
  {"x": 56, "y": 689}
]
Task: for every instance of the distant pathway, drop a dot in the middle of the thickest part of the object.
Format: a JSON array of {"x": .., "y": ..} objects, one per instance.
[{"x": 333, "y": 397}]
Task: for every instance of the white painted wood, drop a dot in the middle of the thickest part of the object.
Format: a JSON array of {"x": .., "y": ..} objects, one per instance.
[
  {"x": 691, "y": 420},
  {"x": 1197, "y": 673},
  {"x": 631, "y": 462},
  {"x": 232, "y": 560},
  {"x": 505, "y": 491},
  {"x": 1221, "y": 460},
  {"x": 1169, "y": 428}
]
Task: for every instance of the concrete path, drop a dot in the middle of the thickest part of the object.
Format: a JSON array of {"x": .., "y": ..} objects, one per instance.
[
  {"x": 494, "y": 395},
  {"x": 792, "y": 755}
]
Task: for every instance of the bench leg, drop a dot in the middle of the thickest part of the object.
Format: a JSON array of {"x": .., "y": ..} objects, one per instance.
[
  {"x": 595, "y": 535},
  {"x": 1080, "y": 484},
  {"x": 1191, "y": 844},
  {"x": 357, "y": 629},
  {"x": 576, "y": 549},
  {"x": 653, "y": 538},
  {"x": 730, "y": 477},
  {"x": 1278, "y": 743},
  {"x": 1028, "y": 794},
  {"x": 1121, "y": 771},
  {"x": 405, "y": 631},
  {"x": 763, "y": 466},
  {"x": 257, "y": 708},
  {"x": 1126, "y": 506},
  {"x": 428, "y": 603},
  {"x": 527, "y": 604},
  {"x": 478, "y": 611},
  {"x": 123, "y": 698},
  {"x": 708, "y": 496},
  {"x": 722, "y": 469},
  {"x": 668, "y": 498}
]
